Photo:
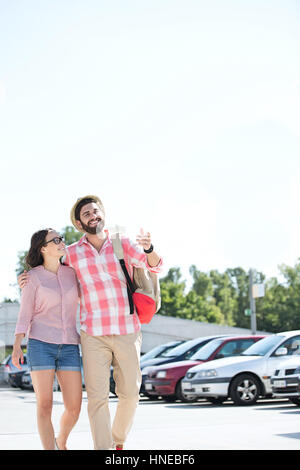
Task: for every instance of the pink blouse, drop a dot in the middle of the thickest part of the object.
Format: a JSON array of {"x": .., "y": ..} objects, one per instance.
[{"x": 49, "y": 306}]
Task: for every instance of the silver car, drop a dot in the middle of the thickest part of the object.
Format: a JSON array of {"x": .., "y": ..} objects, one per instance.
[
  {"x": 243, "y": 378},
  {"x": 286, "y": 380}
]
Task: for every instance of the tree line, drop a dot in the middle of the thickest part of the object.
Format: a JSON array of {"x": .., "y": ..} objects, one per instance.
[{"x": 223, "y": 297}]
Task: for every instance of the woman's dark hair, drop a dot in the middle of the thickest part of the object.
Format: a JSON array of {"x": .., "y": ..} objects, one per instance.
[{"x": 34, "y": 257}]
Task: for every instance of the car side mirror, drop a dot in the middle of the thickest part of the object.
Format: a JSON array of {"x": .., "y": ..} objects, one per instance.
[
  {"x": 281, "y": 352},
  {"x": 219, "y": 356}
]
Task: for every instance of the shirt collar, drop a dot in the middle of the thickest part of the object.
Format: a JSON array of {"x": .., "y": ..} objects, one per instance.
[{"x": 83, "y": 239}]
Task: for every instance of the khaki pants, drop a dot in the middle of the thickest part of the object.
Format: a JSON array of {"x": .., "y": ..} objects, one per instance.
[{"x": 98, "y": 354}]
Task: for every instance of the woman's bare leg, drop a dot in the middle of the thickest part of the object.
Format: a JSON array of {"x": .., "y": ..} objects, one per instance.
[
  {"x": 71, "y": 386},
  {"x": 42, "y": 381}
]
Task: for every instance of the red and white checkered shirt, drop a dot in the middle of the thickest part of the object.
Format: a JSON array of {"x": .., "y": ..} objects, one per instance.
[{"x": 104, "y": 304}]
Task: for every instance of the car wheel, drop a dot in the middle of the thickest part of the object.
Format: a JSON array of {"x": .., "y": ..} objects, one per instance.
[
  {"x": 181, "y": 396},
  {"x": 151, "y": 397},
  {"x": 216, "y": 400},
  {"x": 295, "y": 401},
  {"x": 11, "y": 383},
  {"x": 244, "y": 390},
  {"x": 169, "y": 398}
]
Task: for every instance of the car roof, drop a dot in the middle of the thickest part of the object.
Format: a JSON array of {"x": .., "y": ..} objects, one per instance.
[
  {"x": 189, "y": 344},
  {"x": 232, "y": 337},
  {"x": 204, "y": 338},
  {"x": 242, "y": 337},
  {"x": 172, "y": 342},
  {"x": 288, "y": 333}
]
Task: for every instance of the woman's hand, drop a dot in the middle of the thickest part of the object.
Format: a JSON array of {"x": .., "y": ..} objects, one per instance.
[
  {"x": 17, "y": 356},
  {"x": 23, "y": 279}
]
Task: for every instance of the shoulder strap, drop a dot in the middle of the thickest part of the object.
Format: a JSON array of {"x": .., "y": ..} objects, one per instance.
[
  {"x": 118, "y": 250},
  {"x": 129, "y": 281},
  {"x": 117, "y": 246}
]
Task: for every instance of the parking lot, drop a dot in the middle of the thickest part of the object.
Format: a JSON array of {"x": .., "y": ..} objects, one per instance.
[{"x": 268, "y": 425}]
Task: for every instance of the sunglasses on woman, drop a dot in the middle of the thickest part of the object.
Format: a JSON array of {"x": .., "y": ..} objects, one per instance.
[{"x": 55, "y": 240}]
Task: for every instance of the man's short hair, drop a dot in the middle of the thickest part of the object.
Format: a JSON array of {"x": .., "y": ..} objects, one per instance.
[
  {"x": 82, "y": 203},
  {"x": 75, "y": 211}
]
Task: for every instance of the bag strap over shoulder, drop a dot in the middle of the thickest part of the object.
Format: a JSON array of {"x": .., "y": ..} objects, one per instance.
[
  {"x": 117, "y": 246},
  {"x": 118, "y": 250}
]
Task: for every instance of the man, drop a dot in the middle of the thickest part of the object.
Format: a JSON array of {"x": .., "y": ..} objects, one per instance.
[{"x": 110, "y": 335}]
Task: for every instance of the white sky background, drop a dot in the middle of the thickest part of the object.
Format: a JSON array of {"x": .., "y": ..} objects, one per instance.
[{"x": 183, "y": 116}]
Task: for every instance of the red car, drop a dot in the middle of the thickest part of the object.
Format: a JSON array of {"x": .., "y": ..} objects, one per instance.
[{"x": 165, "y": 380}]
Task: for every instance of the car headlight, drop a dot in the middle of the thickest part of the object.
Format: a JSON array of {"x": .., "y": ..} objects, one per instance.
[
  {"x": 297, "y": 371},
  {"x": 207, "y": 373},
  {"x": 161, "y": 374}
]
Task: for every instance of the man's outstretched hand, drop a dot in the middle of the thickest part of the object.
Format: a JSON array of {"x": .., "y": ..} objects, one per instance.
[{"x": 144, "y": 239}]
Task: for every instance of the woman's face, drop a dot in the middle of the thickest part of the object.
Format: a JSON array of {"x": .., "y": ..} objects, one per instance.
[{"x": 54, "y": 245}]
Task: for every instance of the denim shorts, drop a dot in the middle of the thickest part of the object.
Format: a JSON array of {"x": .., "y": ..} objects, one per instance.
[{"x": 44, "y": 356}]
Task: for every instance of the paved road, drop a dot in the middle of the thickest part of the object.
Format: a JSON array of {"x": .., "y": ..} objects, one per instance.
[{"x": 270, "y": 424}]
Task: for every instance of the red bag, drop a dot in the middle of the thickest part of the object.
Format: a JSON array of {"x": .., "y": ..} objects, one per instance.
[
  {"x": 143, "y": 291},
  {"x": 145, "y": 307}
]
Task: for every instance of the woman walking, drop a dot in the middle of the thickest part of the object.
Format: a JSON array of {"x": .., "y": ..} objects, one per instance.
[{"x": 48, "y": 317}]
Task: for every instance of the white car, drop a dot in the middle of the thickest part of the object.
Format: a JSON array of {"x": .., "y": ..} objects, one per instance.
[
  {"x": 243, "y": 378},
  {"x": 286, "y": 380}
]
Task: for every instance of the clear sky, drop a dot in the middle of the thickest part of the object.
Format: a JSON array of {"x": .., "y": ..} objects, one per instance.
[{"x": 183, "y": 116}]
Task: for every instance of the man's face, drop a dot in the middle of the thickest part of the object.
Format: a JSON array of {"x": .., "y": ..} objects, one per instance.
[{"x": 91, "y": 218}]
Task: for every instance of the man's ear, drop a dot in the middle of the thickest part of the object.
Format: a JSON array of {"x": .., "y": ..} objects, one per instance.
[{"x": 78, "y": 225}]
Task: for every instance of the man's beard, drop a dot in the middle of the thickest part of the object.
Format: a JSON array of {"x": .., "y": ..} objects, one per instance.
[{"x": 93, "y": 230}]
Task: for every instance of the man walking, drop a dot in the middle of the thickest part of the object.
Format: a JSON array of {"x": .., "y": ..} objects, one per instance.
[{"x": 110, "y": 335}]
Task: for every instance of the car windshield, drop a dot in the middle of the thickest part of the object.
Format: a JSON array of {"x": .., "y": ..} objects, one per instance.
[
  {"x": 167, "y": 350},
  {"x": 183, "y": 348},
  {"x": 156, "y": 352},
  {"x": 263, "y": 346},
  {"x": 205, "y": 351}
]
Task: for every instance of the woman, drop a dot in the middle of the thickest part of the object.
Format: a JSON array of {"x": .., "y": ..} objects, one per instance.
[{"x": 48, "y": 316}]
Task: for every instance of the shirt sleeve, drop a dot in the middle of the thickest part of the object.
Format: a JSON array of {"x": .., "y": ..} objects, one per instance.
[
  {"x": 26, "y": 308},
  {"x": 78, "y": 285},
  {"x": 137, "y": 257}
]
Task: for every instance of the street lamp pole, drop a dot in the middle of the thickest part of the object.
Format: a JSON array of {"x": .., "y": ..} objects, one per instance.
[{"x": 252, "y": 303}]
